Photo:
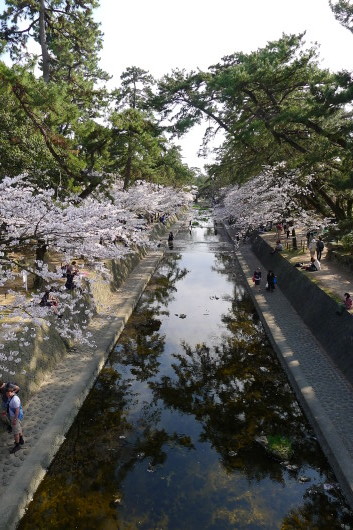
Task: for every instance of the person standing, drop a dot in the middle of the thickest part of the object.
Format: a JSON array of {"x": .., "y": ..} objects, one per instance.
[
  {"x": 271, "y": 281},
  {"x": 71, "y": 272},
  {"x": 320, "y": 245},
  {"x": 15, "y": 415},
  {"x": 257, "y": 277},
  {"x": 312, "y": 247},
  {"x": 4, "y": 400}
]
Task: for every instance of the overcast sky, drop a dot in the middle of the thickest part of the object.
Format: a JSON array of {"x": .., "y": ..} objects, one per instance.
[{"x": 159, "y": 35}]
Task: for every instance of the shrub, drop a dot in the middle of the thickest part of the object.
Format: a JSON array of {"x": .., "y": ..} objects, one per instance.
[{"x": 347, "y": 242}]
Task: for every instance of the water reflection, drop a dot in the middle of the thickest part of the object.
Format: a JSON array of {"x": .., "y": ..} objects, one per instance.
[{"x": 191, "y": 423}]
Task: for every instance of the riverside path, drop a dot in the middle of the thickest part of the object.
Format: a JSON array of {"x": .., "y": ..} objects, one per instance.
[{"x": 322, "y": 390}]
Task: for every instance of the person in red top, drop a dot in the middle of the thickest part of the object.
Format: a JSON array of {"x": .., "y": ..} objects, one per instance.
[{"x": 347, "y": 304}]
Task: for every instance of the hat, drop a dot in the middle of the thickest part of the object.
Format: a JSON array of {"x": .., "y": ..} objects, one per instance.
[{"x": 10, "y": 387}]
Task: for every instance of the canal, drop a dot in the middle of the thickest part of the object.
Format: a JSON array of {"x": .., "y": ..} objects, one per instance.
[{"x": 192, "y": 423}]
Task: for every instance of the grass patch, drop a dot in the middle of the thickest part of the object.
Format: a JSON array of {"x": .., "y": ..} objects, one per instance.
[
  {"x": 200, "y": 207},
  {"x": 280, "y": 446}
]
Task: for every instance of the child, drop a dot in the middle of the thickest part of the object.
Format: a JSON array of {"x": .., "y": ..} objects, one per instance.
[
  {"x": 347, "y": 304},
  {"x": 15, "y": 414}
]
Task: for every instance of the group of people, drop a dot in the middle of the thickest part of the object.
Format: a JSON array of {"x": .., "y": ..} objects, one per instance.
[
  {"x": 271, "y": 279},
  {"x": 49, "y": 298},
  {"x": 12, "y": 413},
  {"x": 315, "y": 247}
]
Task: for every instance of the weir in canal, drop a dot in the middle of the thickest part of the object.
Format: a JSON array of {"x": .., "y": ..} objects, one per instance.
[{"x": 192, "y": 423}]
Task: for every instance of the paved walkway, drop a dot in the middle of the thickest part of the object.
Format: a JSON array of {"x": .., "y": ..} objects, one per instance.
[{"x": 321, "y": 388}]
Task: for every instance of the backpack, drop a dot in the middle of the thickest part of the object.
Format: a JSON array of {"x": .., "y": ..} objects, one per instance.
[
  {"x": 320, "y": 245},
  {"x": 20, "y": 414}
]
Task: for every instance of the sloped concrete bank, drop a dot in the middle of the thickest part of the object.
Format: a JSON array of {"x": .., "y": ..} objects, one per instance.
[
  {"x": 316, "y": 308},
  {"x": 66, "y": 380}
]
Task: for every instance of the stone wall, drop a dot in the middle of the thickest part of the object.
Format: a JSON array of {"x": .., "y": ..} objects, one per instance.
[
  {"x": 343, "y": 260},
  {"x": 315, "y": 307}
]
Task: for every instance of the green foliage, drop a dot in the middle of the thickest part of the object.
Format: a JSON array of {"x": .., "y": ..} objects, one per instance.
[
  {"x": 347, "y": 241},
  {"x": 280, "y": 446},
  {"x": 343, "y": 11},
  {"x": 139, "y": 149},
  {"x": 275, "y": 106},
  {"x": 68, "y": 36}
]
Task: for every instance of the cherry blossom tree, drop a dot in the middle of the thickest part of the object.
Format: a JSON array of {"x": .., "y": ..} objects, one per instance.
[
  {"x": 34, "y": 223},
  {"x": 274, "y": 195}
]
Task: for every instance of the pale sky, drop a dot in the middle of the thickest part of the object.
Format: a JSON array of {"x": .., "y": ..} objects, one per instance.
[{"x": 159, "y": 35}]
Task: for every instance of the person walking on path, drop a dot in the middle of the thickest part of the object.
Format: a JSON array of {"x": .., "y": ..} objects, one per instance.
[
  {"x": 257, "y": 277},
  {"x": 346, "y": 305},
  {"x": 15, "y": 414},
  {"x": 271, "y": 281},
  {"x": 320, "y": 245}
]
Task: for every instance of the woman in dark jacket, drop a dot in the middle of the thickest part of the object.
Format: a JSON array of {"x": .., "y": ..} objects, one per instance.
[{"x": 270, "y": 281}]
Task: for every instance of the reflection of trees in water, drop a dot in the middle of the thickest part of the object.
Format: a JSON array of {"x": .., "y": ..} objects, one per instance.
[
  {"x": 83, "y": 478},
  {"x": 140, "y": 344},
  {"x": 238, "y": 392},
  {"x": 227, "y": 266},
  {"x": 317, "y": 512}
]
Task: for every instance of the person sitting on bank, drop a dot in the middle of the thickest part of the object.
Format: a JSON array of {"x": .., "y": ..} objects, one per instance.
[
  {"x": 49, "y": 300},
  {"x": 311, "y": 267},
  {"x": 346, "y": 305},
  {"x": 278, "y": 247}
]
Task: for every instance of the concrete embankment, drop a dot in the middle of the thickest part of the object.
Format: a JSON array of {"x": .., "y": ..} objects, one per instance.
[
  {"x": 65, "y": 383},
  {"x": 316, "y": 308},
  {"x": 317, "y": 375}
]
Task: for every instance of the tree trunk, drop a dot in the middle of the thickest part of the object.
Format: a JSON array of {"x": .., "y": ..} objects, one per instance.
[
  {"x": 294, "y": 239},
  {"x": 43, "y": 42},
  {"x": 41, "y": 250},
  {"x": 128, "y": 167}
]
